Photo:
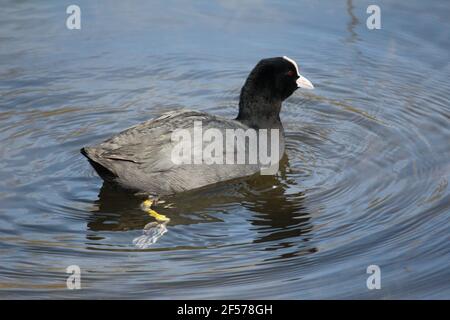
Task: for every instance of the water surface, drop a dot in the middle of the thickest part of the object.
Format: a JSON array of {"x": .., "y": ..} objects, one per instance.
[{"x": 365, "y": 180}]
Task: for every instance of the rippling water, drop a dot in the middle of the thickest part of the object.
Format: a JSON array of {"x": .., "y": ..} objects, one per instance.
[{"x": 368, "y": 154}]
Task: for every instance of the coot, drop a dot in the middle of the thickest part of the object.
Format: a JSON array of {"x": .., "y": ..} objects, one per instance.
[{"x": 141, "y": 158}]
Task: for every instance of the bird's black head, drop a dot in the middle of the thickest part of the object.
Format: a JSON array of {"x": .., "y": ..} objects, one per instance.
[
  {"x": 277, "y": 78},
  {"x": 270, "y": 82}
]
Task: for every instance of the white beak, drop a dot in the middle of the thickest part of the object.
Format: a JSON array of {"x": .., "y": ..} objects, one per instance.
[{"x": 304, "y": 83}]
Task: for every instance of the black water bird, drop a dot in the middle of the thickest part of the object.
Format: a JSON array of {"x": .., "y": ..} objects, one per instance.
[{"x": 141, "y": 157}]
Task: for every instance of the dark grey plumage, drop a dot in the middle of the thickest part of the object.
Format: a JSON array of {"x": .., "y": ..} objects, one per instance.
[{"x": 139, "y": 158}]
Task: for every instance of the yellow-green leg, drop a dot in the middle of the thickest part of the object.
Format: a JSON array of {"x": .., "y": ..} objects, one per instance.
[{"x": 147, "y": 207}]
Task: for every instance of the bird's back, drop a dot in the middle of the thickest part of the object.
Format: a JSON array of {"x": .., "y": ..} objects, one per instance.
[{"x": 141, "y": 157}]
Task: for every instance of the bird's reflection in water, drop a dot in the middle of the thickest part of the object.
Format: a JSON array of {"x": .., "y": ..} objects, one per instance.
[
  {"x": 280, "y": 218},
  {"x": 280, "y": 215}
]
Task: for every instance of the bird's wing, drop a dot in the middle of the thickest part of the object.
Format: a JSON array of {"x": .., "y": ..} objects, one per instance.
[{"x": 149, "y": 145}]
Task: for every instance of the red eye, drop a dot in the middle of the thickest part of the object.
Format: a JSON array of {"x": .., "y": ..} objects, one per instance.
[{"x": 290, "y": 73}]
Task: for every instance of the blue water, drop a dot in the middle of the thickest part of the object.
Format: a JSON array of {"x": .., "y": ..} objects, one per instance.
[{"x": 366, "y": 181}]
